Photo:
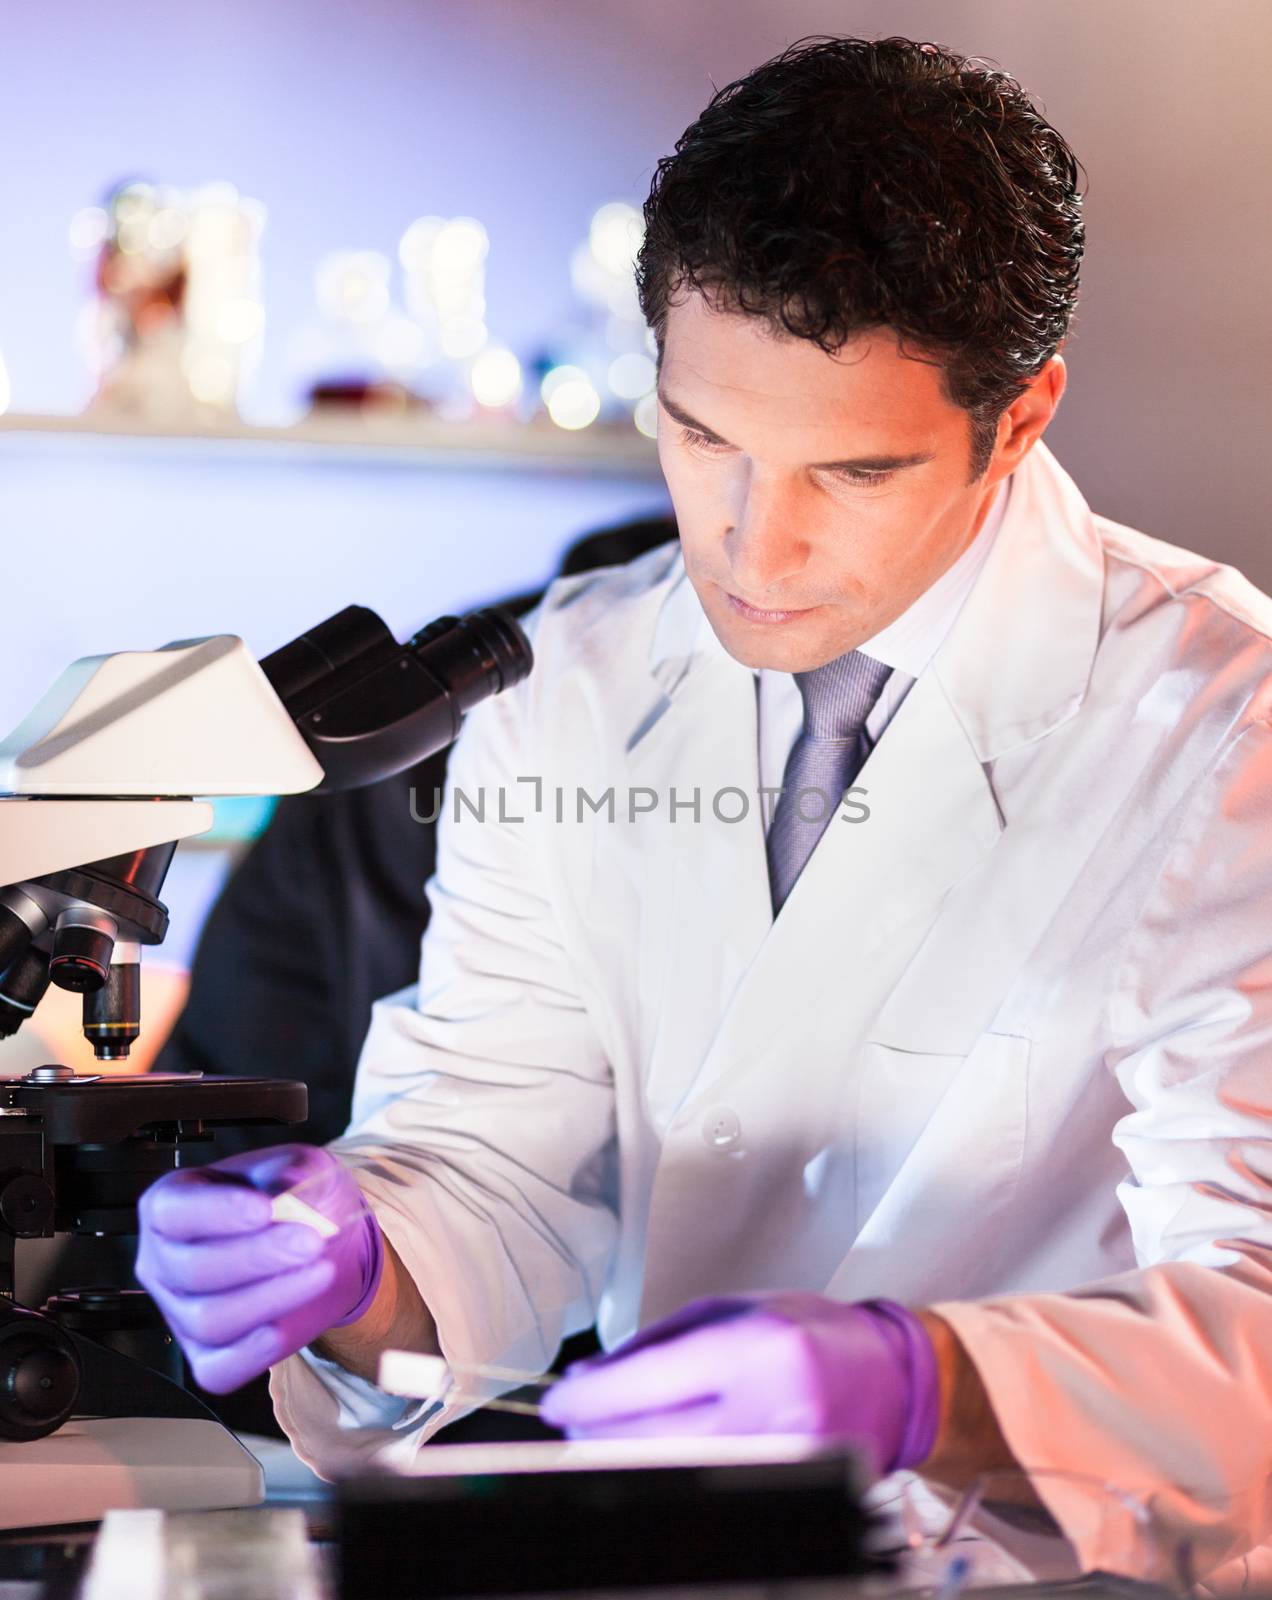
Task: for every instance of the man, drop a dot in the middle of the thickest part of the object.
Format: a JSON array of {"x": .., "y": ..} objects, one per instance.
[{"x": 928, "y": 1105}]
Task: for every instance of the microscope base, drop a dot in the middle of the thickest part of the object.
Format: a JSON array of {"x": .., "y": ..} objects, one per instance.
[{"x": 92, "y": 1465}]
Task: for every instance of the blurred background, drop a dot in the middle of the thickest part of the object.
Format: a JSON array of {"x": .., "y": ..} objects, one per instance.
[{"x": 312, "y": 303}]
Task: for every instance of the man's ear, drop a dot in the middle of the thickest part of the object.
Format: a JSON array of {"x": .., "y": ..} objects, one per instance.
[{"x": 1025, "y": 420}]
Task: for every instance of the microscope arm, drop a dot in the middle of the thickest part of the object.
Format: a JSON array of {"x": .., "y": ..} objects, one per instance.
[{"x": 35, "y": 839}]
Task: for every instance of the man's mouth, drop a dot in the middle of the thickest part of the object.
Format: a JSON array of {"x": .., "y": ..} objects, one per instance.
[{"x": 762, "y": 614}]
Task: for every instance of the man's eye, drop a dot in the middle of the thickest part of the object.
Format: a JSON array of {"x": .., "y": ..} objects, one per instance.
[
  {"x": 700, "y": 441},
  {"x": 708, "y": 446}
]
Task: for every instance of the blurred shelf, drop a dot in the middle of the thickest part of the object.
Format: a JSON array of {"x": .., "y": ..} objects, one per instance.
[{"x": 350, "y": 438}]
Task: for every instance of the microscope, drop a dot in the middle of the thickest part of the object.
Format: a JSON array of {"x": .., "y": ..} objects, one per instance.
[{"x": 97, "y": 788}]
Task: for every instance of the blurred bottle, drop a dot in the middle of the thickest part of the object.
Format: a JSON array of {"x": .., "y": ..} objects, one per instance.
[{"x": 176, "y": 323}]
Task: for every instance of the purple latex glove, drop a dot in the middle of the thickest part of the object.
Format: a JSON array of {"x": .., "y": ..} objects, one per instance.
[
  {"x": 239, "y": 1290},
  {"x": 776, "y": 1363}
]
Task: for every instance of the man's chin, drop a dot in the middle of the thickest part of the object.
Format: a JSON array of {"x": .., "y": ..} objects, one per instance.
[{"x": 781, "y": 647}]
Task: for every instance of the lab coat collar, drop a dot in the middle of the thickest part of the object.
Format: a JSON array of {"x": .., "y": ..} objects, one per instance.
[{"x": 1017, "y": 660}]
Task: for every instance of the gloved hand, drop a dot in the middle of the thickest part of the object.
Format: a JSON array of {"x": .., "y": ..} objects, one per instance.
[
  {"x": 776, "y": 1363},
  {"x": 239, "y": 1290}
]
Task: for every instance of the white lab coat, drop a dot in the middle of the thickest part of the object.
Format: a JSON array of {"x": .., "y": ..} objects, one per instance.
[{"x": 1007, "y": 1051}]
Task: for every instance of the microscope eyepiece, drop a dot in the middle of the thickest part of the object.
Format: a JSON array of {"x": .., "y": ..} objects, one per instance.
[
  {"x": 368, "y": 707},
  {"x": 475, "y": 656}
]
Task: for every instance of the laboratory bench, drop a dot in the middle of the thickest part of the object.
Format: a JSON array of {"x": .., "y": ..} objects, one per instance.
[
  {"x": 53, "y": 1563},
  {"x": 535, "y": 1528},
  {"x": 700, "y": 1537}
]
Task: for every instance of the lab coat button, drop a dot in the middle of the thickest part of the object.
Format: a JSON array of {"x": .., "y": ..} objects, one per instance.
[{"x": 721, "y": 1129}]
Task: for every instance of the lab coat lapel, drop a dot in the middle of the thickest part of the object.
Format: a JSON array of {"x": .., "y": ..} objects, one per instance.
[
  {"x": 700, "y": 851},
  {"x": 755, "y": 1149}
]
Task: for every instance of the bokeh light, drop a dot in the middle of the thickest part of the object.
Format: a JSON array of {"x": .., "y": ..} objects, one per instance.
[
  {"x": 495, "y": 378},
  {"x": 632, "y": 375},
  {"x": 89, "y": 228},
  {"x": 211, "y": 378},
  {"x": 615, "y": 237},
  {"x": 416, "y": 245},
  {"x": 166, "y": 229},
  {"x": 463, "y": 337},
  {"x": 570, "y": 397},
  {"x": 353, "y": 286},
  {"x": 444, "y": 266},
  {"x": 239, "y": 321},
  {"x": 459, "y": 248},
  {"x": 645, "y": 416}
]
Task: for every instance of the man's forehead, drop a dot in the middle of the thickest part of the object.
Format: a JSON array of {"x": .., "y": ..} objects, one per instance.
[{"x": 730, "y": 369}]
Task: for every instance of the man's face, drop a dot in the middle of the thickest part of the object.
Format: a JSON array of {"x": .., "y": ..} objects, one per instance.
[{"x": 800, "y": 538}]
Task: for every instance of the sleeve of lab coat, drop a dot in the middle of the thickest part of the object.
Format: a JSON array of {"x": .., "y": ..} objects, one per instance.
[
  {"x": 483, "y": 1118},
  {"x": 1160, "y": 1380}
]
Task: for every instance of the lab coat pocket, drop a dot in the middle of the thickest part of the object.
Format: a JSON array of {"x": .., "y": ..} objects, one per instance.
[{"x": 940, "y": 1140}]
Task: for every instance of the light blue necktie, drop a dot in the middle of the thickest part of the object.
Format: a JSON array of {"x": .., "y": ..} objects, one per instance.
[{"x": 824, "y": 760}]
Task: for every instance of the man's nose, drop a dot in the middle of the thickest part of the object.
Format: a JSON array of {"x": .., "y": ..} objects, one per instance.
[{"x": 767, "y": 543}]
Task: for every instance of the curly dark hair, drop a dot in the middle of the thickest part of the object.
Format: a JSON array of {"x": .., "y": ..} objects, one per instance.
[{"x": 850, "y": 184}]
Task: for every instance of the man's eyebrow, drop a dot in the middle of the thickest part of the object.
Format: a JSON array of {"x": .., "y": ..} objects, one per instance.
[
  {"x": 850, "y": 464},
  {"x": 684, "y": 418}
]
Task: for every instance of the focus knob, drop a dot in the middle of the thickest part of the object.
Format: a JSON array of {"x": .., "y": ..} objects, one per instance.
[
  {"x": 39, "y": 1375},
  {"x": 26, "y": 1205}
]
